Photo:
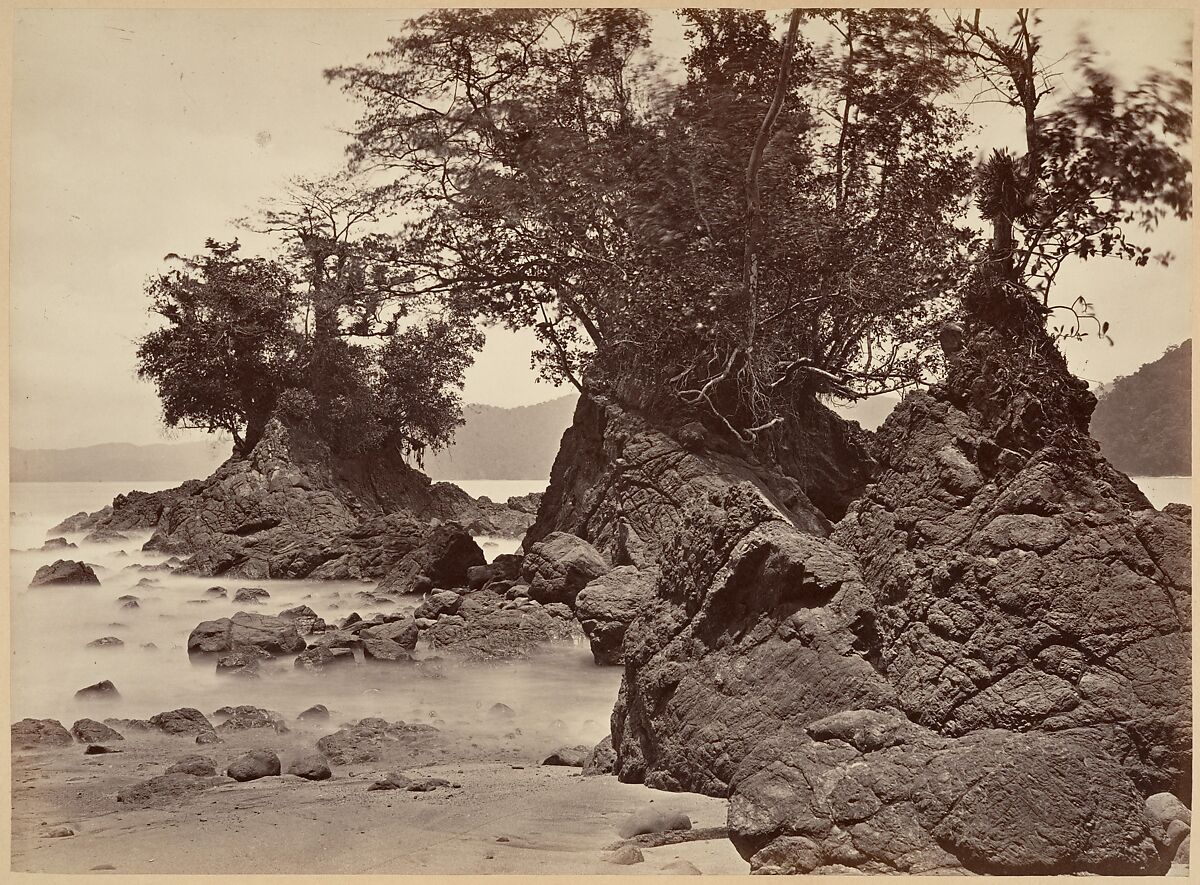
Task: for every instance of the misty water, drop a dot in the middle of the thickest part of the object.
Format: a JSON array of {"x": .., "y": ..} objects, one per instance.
[{"x": 560, "y": 697}]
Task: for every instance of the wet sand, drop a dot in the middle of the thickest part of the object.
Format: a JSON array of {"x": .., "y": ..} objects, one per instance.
[{"x": 552, "y": 819}]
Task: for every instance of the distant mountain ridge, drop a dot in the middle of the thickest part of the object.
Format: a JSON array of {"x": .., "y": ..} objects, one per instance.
[
  {"x": 495, "y": 443},
  {"x": 1143, "y": 421}
]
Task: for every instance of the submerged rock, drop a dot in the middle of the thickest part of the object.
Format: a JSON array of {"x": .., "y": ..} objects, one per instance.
[
  {"x": 490, "y": 631},
  {"x": 103, "y": 690},
  {"x": 65, "y": 572},
  {"x": 106, "y": 642},
  {"x": 264, "y": 632}
]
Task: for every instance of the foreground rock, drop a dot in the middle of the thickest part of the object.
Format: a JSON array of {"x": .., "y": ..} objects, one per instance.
[
  {"x": 254, "y": 765},
  {"x": 65, "y": 572},
  {"x": 246, "y": 630},
  {"x": 89, "y": 731},
  {"x": 36, "y": 734},
  {"x": 311, "y": 768}
]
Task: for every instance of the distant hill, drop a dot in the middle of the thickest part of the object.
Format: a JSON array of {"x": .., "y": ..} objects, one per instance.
[
  {"x": 118, "y": 462},
  {"x": 1143, "y": 422},
  {"x": 495, "y": 443},
  {"x": 498, "y": 443},
  {"x": 869, "y": 412}
]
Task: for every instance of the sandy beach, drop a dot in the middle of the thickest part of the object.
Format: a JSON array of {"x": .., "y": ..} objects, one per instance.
[{"x": 504, "y": 813}]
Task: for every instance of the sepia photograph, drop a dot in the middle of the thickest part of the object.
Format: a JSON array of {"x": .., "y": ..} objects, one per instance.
[{"x": 600, "y": 441}]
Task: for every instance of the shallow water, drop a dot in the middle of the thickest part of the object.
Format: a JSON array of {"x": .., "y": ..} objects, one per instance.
[{"x": 560, "y": 697}]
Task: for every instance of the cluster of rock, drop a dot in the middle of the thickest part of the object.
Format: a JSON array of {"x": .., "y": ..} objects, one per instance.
[
  {"x": 290, "y": 509},
  {"x": 983, "y": 666}
]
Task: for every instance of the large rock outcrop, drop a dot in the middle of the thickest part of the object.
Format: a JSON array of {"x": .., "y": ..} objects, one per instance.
[
  {"x": 984, "y": 668},
  {"x": 626, "y": 469}
]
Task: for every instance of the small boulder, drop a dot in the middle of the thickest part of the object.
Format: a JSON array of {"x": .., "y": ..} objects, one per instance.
[
  {"x": 478, "y": 575},
  {"x": 317, "y": 712},
  {"x": 185, "y": 720},
  {"x": 59, "y": 832},
  {"x": 393, "y": 780},
  {"x": 626, "y": 855},
  {"x": 385, "y": 651},
  {"x": 403, "y": 633},
  {"x": 251, "y": 595},
  {"x": 98, "y": 749},
  {"x": 651, "y": 820},
  {"x": 238, "y": 663},
  {"x": 89, "y": 731},
  {"x": 166, "y": 788},
  {"x": 307, "y": 621},
  {"x": 440, "y": 602},
  {"x": 319, "y": 657},
  {"x": 195, "y": 765},
  {"x": 311, "y": 768},
  {"x": 254, "y": 765},
  {"x": 33, "y": 734},
  {"x": 681, "y": 867},
  {"x": 217, "y": 592},
  {"x": 103, "y": 690},
  {"x": 569, "y": 757},
  {"x": 245, "y": 717},
  {"x": 64, "y": 572},
  {"x": 56, "y": 544},
  {"x": 106, "y": 642},
  {"x": 559, "y": 566},
  {"x": 501, "y": 711},
  {"x": 270, "y": 634}
]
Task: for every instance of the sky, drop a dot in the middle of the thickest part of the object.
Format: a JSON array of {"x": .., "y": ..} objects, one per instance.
[{"x": 137, "y": 133}]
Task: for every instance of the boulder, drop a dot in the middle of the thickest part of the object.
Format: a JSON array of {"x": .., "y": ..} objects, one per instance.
[
  {"x": 195, "y": 765},
  {"x": 36, "y": 734},
  {"x": 239, "y": 663},
  {"x": 311, "y": 768},
  {"x": 364, "y": 741},
  {"x": 488, "y": 631},
  {"x": 626, "y": 855},
  {"x": 318, "y": 657},
  {"x": 103, "y": 690},
  {"x": 601, "y": 759},
  {"x": 264, "y": 632},
  {"x": 568, "y": 757},
  {"x": 307, "y": 621},
  {"x": 440, "y": 602},
  {"x": 386, "y": 651},
  {"x": 185, "y": 720},
  {"x": 251, "y": 595},
  {"x": 56, "y": 544},
  {"x": 903, "y": 799},
  {"x": 98, "y": 750},
  {"x": 244, "y": 717},
  {"x": 478, "y": 575},
  {"x": 1025, "y": 591},
  {"x": 317, "y": 712},
  {"x": 64, "y": 572},
  {"x": 559, "y": 566},
  {"x": 89, "y": 731},
  {"x": 403, "y": 633},
  {"x": 254, "y": 765},
  {"x": 393, "y": 780},
  {"x": 217, "y": 592},
  {"x": 606, "y": 606}
]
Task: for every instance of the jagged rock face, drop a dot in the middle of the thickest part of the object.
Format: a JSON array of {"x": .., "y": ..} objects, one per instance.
[
  {"x": 1026, "y": 593},
  {"x": 291, "y": 510},
  {"x": 621, "y": 479},
  {"x": 606, "y": 607},
  {"x": 557, "y": 567},
  {"x": 749, "y": 631},
  {"x": 134, "y": 511},
  {"x": 64, "y": 571},
  {"x": 871, "y": 792}
]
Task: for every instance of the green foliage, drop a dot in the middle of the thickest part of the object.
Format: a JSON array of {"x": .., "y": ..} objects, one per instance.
[
  {"x": 228, "y": 347},
  {"x": 559, "y": 185},
  {"x": 236, "y": 349}
]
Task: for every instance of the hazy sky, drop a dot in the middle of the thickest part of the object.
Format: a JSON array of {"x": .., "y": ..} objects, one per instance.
[{"x": 141, "y": 132}]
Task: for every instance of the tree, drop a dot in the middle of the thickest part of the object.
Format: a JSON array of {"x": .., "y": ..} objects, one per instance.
[
  {"x": 560, "y": 186},
  {"x": 229, "y": 348}
]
